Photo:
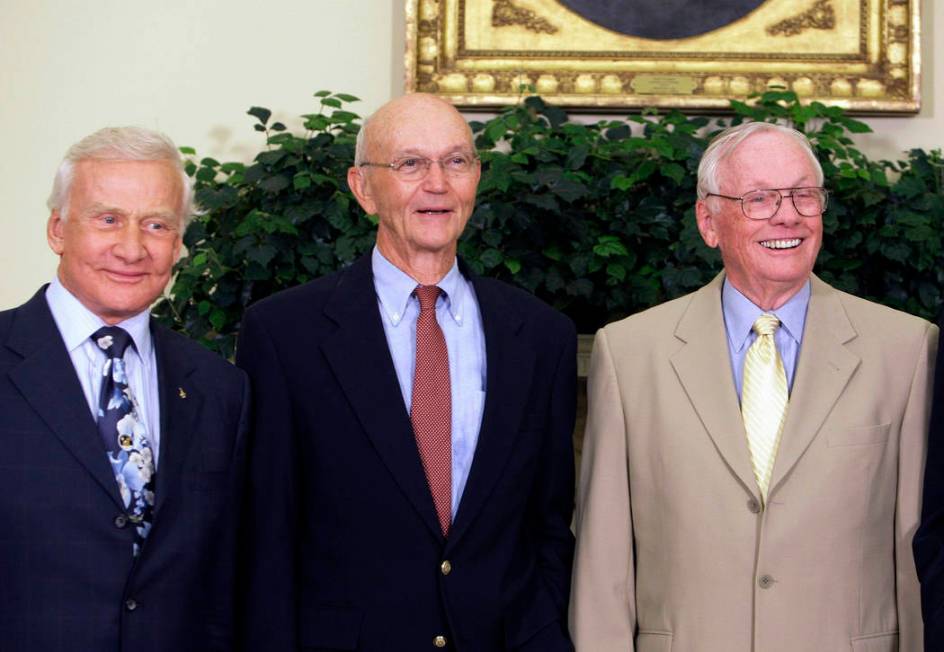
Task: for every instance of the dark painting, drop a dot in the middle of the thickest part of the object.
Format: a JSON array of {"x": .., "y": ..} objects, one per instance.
[{"x": 662, "y": 19}]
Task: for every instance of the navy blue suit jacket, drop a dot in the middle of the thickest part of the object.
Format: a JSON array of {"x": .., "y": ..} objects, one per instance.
[
  {"x": 345, "y": 549},
  {"x": 67, "y": 579},
  {"x": 929, "y": 540}
]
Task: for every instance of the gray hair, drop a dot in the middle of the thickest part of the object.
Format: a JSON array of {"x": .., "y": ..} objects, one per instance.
[
  {"x": 724, "y": 144},
  {"x": 360, "y": 145},
  {"x": 120, "y": 144}
]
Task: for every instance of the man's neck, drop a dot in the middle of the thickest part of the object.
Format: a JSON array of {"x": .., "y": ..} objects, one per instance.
[
  {"x": 768, "y": 298},
  {"x": 428, "y": 268}
]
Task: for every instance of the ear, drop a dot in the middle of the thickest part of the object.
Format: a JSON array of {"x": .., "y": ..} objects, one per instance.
[
  {"x": 357, "y": 181},
  {"x": 55, "y": 232},
  {"x": 706, "y": 223}
]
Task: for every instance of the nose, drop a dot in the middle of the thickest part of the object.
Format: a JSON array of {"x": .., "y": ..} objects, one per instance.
[
  {"x": 787, "y": 214},
  {"x": 129, "y": 246},
  {"x": 435, "y": 180}
]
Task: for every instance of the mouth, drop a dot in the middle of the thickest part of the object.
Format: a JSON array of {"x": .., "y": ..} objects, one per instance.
[
  {"x": 124, "y": 277},
  {"x": 791, "y": 243},
  {"x": 434, "y": 211}
]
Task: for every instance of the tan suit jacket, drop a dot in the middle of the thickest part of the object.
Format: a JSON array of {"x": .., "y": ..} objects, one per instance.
[{"x": 675, "y": 552}]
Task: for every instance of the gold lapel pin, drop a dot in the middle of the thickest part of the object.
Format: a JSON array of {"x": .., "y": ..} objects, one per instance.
[{"x": 181, "y": 393}]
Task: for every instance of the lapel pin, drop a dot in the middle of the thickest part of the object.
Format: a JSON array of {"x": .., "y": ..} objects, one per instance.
[{"x": 181, "y": 393}]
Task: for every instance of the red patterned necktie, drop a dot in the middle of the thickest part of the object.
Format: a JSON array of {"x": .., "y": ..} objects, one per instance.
[{"x": 431, "y": 412}]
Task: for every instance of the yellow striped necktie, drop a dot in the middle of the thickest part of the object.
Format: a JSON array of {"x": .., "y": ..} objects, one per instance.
[{"x": 764, "y": 400}]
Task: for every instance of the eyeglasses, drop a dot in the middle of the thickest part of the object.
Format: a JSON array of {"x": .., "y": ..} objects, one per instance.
[
  {"x": 417, "y": 167},
  {"x": 764, "y": 204}
]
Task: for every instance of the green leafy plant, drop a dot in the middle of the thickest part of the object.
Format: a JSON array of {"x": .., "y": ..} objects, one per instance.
[
  {"x": 285, "y": 219},
  {"x": 596, "y": 219}
]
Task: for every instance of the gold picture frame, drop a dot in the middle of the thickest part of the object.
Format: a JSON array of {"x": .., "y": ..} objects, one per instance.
[{"x": 862, "y": 55}]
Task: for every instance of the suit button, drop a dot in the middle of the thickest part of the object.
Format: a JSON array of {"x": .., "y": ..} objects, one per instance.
[
  {"x": 445, "y": 567},
  {"x": 131, "y": 604},
  {"x": 765, "y": 581},
  {"x": 120, "y": 521},
  {"x": 439, "y": 641},
  {"x": 753, "y": 506}
]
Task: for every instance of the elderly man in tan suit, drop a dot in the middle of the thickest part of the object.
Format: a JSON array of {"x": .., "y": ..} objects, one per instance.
[{"x": 752, "y": 467}]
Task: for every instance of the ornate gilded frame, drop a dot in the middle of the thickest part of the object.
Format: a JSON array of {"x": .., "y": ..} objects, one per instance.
[{"x": 863, "y": 55}]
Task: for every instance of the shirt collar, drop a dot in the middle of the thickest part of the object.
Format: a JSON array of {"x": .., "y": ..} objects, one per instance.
[
  {"x": 740, "y": 313},
  {"x": 76, "y": 323},
  {"x": 395, "y": 287}
]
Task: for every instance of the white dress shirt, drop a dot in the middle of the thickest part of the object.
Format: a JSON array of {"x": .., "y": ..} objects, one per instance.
[
  {"x": 76, "y": 324},
  {"x": 457, "y": 312}
]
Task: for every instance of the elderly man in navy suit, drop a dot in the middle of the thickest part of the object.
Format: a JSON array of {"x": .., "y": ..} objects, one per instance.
[
  {"x": 411, "y": 477},
  {"x": 121, "y": 443}
]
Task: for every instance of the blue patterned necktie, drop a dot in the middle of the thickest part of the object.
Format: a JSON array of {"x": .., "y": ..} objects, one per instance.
[{"x": 122, "y": 429}]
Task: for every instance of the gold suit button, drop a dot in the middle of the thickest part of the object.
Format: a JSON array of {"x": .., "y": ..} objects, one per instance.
[
  {"x": 439, "y": 641},
  {"x": 445, "y": 567}
]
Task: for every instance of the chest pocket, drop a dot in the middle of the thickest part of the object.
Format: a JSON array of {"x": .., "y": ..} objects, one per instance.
[{"x": 859, "y": 436}]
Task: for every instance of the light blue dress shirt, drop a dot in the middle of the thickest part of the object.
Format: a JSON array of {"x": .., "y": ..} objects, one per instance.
[
  {"x": 76, "y": 323},
  {"x": 739, "y": 317},
  {"x": 457, "y": 311}
]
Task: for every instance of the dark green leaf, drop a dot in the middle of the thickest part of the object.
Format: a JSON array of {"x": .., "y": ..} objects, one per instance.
[
  {"x": 491, "y": 258},
  {"x": 261, "y": 114}
]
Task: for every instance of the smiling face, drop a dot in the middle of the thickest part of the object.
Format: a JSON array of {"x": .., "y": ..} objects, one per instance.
[
  {"x": 122, "y": 236},
  {"x": 768, "y": 261},
  {"x": 420, "y": 220}
]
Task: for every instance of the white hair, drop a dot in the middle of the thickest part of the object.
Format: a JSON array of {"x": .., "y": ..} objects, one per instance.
[
  {"x": 724, "y": 144},
  {"x": 360, "y": 145},
  {"x": 120, "y": 144}
]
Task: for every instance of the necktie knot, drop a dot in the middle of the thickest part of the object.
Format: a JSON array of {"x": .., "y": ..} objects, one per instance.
[
  {"x": 427, "y": 296},
  {"x": 112, "y": 340},
  {"x": 766, "y": 324}
]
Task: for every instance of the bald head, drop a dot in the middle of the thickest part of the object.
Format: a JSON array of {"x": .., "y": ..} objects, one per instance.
[
  {"x": 399, "y": 113},
  {"x": 416, "y": 169}
]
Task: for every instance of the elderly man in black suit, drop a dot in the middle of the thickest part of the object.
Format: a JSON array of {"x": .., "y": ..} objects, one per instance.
[
  {"x": 121, "y": 442},
  {"x": 412, "y": 473}
]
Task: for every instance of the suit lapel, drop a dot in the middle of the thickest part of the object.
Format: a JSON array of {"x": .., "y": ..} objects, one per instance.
[
  {"x": 360, "y": 359},
  {"x": 703, "y": 366},
  {"x": 823, "y": 371},
  {"x": 509, "y": 365},
  {"x": 180, "y": 403},
  {"x": 47, "y": 380}
]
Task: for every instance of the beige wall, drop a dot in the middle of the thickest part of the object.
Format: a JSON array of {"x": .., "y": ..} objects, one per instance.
[{"x": 192, "y": 68}]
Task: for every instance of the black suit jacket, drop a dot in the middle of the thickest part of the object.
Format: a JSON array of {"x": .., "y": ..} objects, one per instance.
[
  {"x": 346, "y": 551},
  {"x": 929, "y": 539},
  {"x": 67, "y": 579}
]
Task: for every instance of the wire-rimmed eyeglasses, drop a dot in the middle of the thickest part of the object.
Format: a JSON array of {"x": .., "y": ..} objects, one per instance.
[
  {"x": 764, "y": 203},
  {"x": 417, "y": 167}
]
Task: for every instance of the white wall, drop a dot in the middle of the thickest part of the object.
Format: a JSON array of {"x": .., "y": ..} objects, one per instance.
[{"x": 192, "y": 67}]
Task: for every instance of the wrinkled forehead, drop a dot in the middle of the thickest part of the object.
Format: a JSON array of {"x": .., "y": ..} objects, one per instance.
[
  {"x": 768, "y": 159},
  {"x": 424, "y": 126}
]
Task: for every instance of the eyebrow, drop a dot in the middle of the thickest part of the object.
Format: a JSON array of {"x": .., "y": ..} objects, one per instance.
[
  {"x": 412, "y": 151},
  {"x": 798, "y": 183},
  {"x": 96, "y": 209}
]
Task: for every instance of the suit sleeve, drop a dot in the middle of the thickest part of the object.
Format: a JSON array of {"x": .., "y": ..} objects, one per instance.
[
  {"x": 225, "y": 608},
  {"x": 555, "y": 494},
  {"x": 911, "y": 458},
  {"x": 603, "y": 605},
  {"x": 268, "y": 559},
  {"x": 929, "y": 540}
]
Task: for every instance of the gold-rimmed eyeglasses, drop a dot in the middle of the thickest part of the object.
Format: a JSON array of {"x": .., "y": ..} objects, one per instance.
[
  {"x": 764, "y": 203},
  {"x": 417, "y": 167}
]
